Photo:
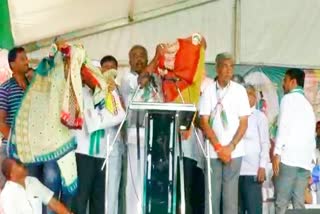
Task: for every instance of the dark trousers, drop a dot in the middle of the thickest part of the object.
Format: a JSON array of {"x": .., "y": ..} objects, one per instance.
[
  {"x": 250, "y": 195},
  {"x": 198, "y": 191},
  {"x": 91, "y": 185},
  {"x": 194, "y": 187}
]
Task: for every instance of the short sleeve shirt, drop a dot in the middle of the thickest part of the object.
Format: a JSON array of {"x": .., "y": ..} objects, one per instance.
[
  {"x": 11, "y": 95},
  {"x": 235, "y": 103},
  {"x": 15, "y": 199}
]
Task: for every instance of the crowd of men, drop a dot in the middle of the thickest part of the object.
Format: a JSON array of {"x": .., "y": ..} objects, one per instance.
[{"x": 237, "y": 132}]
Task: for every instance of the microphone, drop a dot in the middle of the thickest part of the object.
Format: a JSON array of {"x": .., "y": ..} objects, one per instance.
[
  {"x": 173, "y": 79},
  {"x": 153, "y": 82},
  {"x": 150, "y": 79}
]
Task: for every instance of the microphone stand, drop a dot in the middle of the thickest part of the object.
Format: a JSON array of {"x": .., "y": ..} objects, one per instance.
[
  {"x": 206, "y": 154},
  {"x": 192, "y": 124},
  {"x": 110, "y": 148},
  {"x": 120, "y": 126}
]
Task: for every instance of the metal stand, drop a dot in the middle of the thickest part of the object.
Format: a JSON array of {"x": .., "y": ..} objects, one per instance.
[
  {"x": 107, "y": 177},
  {"x": 209, "y": 175},
  {"x": 109, "y": 150},
  {"x": 175, "y": 117},
  {"x": 120, "y": 127},
  {"x": 205, "y": 153}
]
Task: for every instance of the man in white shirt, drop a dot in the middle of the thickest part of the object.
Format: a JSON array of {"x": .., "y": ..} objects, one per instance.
[
  {"x": 225, "y": 104},
  {"x": 21, "y": 192},
  {"x": 94, "y": 143},
  {"x": 295, "y": 143},
  {"x": 252, "y": 174},
  {"x": 138, "y": 60}
]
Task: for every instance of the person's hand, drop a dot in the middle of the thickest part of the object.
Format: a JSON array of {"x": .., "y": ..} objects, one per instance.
[
  {"x": 185, "y": 134},
  {"x": 111, "y": 84},
  {"x": 144, "y": 79},
  {"x": 224, "y": 158},
  {"x": 225, "y": 153},
  {"x": 161, "y": 48},
  {"x": 276, "y": 165},
  {"x": 261, "y": 175},
  {"x": 21, "y": 81}
]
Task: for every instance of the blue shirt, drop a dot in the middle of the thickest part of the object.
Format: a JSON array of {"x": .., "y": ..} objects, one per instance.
[{"x": 11, "y": 95}]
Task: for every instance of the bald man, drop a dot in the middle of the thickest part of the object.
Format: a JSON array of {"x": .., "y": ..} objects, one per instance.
[{"x": 21, "y": 190}]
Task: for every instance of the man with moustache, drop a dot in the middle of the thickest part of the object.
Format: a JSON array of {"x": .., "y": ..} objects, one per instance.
[
  {"x": 224, "y": 110},
  {"x": 11, "y": 93},
  {"x": 138, "y": 60}
]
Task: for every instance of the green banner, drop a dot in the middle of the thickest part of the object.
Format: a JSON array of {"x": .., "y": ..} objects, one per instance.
[{"x": 6, "y": 38}]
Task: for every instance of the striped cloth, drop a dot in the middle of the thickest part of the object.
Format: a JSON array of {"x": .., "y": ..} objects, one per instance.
[{"x": 10, "y": 99}]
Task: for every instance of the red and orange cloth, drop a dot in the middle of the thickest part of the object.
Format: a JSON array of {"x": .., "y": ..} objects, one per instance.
[
  {"x": 182, "y": 61},
  {"x": 181, "y": 65}
]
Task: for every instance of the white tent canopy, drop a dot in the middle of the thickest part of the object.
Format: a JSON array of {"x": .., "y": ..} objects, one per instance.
[
  {"x": 280, "y": 32},
  {"x": 270, "y": 32}
]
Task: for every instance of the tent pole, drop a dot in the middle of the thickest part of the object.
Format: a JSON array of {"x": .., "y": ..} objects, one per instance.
[
  {"x": 131, "y": 11},
  {"x": 237, "y": 31}
]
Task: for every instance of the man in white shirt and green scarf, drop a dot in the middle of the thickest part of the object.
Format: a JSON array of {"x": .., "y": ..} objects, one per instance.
[
  {"x": 224, "y": 110},
  {"x": 94, "y": 143},
  {"x": 295, "y": 143}
]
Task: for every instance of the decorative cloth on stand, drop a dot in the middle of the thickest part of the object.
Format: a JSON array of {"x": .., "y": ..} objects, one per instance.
[
  {"x": 182, "y": 62},
  {"x": 53, "y": 104}
]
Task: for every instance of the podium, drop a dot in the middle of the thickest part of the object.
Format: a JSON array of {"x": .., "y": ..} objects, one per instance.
[{"x": 163, "y": 159}]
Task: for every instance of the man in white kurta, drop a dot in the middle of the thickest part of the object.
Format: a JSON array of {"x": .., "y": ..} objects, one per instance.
[{"x": 135, "y": 121}]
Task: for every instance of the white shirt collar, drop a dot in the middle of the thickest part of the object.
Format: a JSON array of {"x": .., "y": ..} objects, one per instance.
[
  {"x": 220, "y": 88},
  {"x": 134, "y": 73}
]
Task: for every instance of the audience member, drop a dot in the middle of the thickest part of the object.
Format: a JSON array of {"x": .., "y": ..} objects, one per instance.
[{"x": 21, "y": 192}]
